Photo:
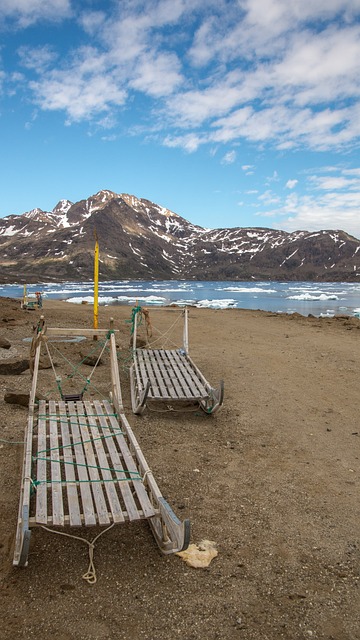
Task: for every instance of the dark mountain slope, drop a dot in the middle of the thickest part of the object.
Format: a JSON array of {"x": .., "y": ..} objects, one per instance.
[{"x": 140, "y": 239}]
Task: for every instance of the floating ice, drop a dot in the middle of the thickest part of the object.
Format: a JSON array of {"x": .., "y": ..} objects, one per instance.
[
  {"x": 216, "y": 304},
  {"x": 310, "y": 297}
]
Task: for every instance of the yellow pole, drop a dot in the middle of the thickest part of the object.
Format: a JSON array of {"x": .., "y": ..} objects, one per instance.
[
  {"x": 96, "y": 282},
  {"x": 24, "y": 296}
]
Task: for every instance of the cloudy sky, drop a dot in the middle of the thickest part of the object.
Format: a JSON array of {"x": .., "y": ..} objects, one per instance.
[{"x": 228, "y": 112}]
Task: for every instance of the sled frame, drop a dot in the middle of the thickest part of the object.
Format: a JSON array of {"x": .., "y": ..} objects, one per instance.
[
  {"x": 170, "y": 376},
  {"x": 83, "y": 466}
]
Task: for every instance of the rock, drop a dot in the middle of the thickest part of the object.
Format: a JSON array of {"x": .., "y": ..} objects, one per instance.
[
  {"x": 44, "y": 363},
  {"x": 90, "y": 360},
  {"x": 12, "y": 396},
  {"x": 17, "y": 397},
  {"x": 13, "y": 367},
  {"x": 4, "y": 344}
]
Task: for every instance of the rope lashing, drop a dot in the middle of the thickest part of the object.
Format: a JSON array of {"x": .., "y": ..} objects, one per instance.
[
  {"x": 76, "y": 368},
  {"x": 134, "y": 475},
  {"x": 134, "y": 311},
  {"x": 74, "y": 444}
]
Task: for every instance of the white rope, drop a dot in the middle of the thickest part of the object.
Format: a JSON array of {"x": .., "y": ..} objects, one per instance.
[
  {"x": 165, "y": 335},
  {"x": 75, "y": 371},
  {"x": 51, "y": 361},
  {"x": 90, "y": 575},
  {"x": 98, "y": 360}
]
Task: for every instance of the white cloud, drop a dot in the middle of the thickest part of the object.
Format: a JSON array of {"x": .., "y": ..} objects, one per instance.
[
  {"x": 273, "y": 178},
  {"x": 291, "y": 184},
  {"x": 157, "y": 76},
  {"x": 37, "y": 58},
  {"x": 333, "y": 203},
  {"x": 27, "y": 12},
  {"x": 270, "y": 72},
  {"x": 82, "y": 90},
  {"x": 331, "y": 183},
  {"x": 269, "y": 197},
  {"x": 189, "y": 142},
  {"x": 229, "y": 157}
]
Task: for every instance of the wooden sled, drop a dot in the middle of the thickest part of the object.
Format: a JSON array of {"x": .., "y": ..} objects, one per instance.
[
  {"x": 84, "y": 467},
  {"x": 171, "y": 377}
]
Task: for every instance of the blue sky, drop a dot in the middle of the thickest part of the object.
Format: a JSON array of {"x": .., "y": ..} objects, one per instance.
[{"x": 227, "y": 112}]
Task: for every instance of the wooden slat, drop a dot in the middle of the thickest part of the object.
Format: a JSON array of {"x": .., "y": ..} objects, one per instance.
[
  {"x": 59, "y": 332},
  {"x": 189, "y": 373},
  {"x": 91, "y": 460},
  {"x": 56, "y": 487},
  {"x": 172, "y": 376},
  {"x": 103, "y": 463},
  {"x": 147, "y": 507},
  {"x": 187, "y": 390},
  {"x": 150, "y": 371},
  {"x": 41, "y": 490},
  {"x": 152, "y": 366},
  {"x": 71, "y": 488},
  {"x": 86, "y": 497},
  {"x": 119, "y": 466},
  {"x": 142, "y": 365},
  {"x": 171, "y": 381}
]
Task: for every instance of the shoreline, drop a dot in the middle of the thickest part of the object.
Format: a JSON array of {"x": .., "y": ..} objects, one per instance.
[{"x": 324, "y": 299}]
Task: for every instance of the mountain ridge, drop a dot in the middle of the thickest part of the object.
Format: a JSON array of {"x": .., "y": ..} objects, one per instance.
[{"x": 139, "y": 239}]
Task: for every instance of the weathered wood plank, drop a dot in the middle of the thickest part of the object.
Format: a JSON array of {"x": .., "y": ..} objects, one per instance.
[
  {"x": 69, "y": 460},
  {"x": 118, "y": 464},
  {"x": 59, "y": 332},
  {"x": 146, "y": 373},
  {"x": 146, "y": 506},
  {"x": 186, "y": 390},
  {"x": 99, "y": 499},
  {"x": 172, "y": 376},
  {"x": 171, "y": 382},
  {"x": 81, "y": 468},
  {"x": 56, "y": 487},
  {"x": 41, "y": 490},
  {"x": 103, "y": 463},
  {"x": 189, "y": 373}
]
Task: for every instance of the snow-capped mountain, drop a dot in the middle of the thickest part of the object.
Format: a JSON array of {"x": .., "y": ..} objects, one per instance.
[{"x": 140, "y": 239}]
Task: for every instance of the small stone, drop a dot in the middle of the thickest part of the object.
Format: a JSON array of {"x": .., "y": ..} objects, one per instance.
[{"x": 4, "y": 344}]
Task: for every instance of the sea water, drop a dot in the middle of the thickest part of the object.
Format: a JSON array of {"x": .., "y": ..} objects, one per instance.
[{"x": 318, "y": 299}]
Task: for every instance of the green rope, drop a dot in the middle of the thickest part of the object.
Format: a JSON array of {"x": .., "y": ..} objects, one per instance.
[
  {"x": 75, "y": 369},
  {"x": 33, "y": 485},
  {"x": 64, "y": 483},
  {"x": 76, "y": 415},
  {"x": 136, "y": 474},
  {"x": 134, "y": 311},
  {"x": 74, "y": 444}
]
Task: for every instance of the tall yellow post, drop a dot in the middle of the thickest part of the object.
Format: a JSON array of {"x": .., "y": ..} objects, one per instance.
[{"x": 96, "y": 282}]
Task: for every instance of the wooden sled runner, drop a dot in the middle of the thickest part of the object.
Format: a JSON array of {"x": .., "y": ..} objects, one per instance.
[
  {"x": 171, "y": 377},
  {"x": 83, "y": 465}
]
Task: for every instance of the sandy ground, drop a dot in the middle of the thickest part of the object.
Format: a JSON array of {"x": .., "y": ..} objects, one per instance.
[{"x": 273, "y": 479}]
